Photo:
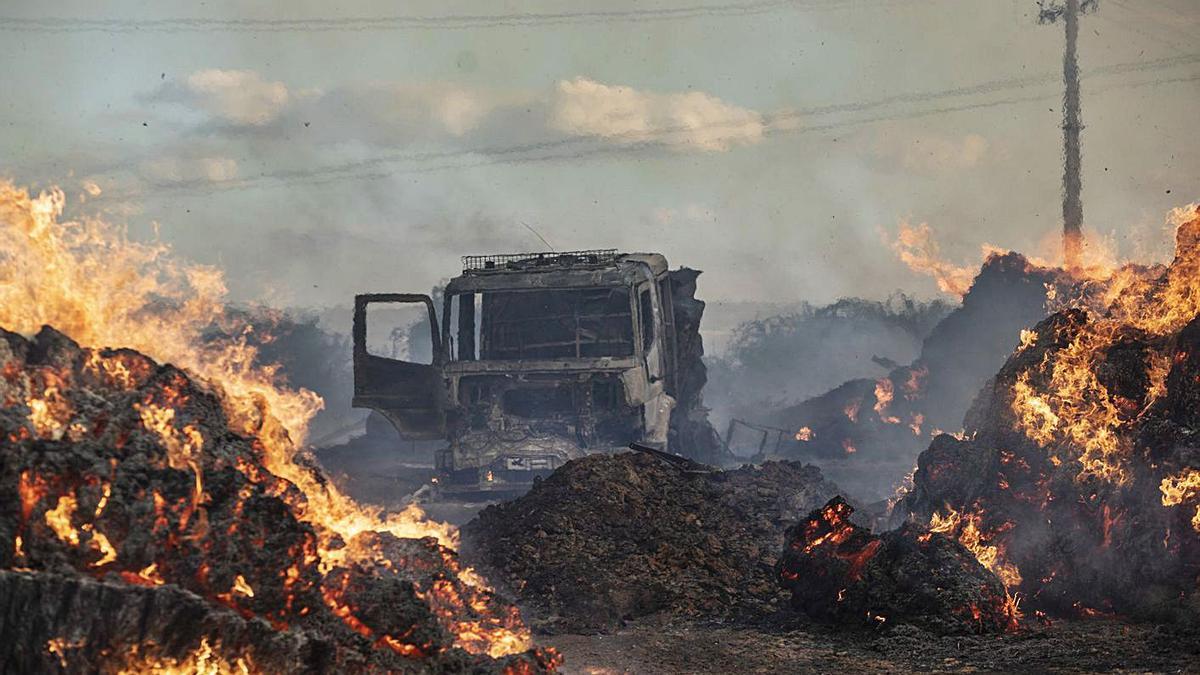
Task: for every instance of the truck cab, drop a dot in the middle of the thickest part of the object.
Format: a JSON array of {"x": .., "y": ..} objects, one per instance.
[{"x": 538, "y": 358}]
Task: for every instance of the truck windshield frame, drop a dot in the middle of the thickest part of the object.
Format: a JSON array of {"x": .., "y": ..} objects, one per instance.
[{"x": 517, "y": 324}]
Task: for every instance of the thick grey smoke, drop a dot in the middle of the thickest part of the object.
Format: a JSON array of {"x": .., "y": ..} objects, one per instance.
[{"x": 777, "y": 361}]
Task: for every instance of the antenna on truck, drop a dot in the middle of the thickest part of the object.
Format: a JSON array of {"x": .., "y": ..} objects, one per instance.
[{"x": 539, "y": 236}]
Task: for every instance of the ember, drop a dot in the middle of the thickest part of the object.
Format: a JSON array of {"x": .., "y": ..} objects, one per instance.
[{"x": 839, "y": 571}]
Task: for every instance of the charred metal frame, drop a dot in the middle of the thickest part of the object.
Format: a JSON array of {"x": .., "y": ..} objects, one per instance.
[{"x": 612, "y": 399}]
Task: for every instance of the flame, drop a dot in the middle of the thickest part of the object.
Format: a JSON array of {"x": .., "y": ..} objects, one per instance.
[
  {"x": 59, "y": 520},
  {"x": 967, "y": 530},
  {"x": 1037, "y": 419},
  {"x": 147, "y": 576},
  {"x": 60, "y": 646},
  {"x": 852, "y": 408},
  {"x": 1061, "y": 402},
  {"x": 915, "y": 381},
  {"x": 334, "y": 596},
  {"x": 917, "y": 420},
  {"x": 1095, "y": 259},
  {"x": 1180, "y": 488},
  {"x": 183, "y": 445},
  {"x": 832, "y": 530},
  {"x": 805, "y": 434},
  {"x": 89, "y": 280},
  {"x": 1028, "y": 339},
  {"x": 1012, "y": 608},
  {"x": 884, "y": 392},
  {"x": 108, "y": 553},
  {"x": 49, "y": 410},
  {"x": 201, "y": 661},
  {"x": 240, "y": 587},
  {"x": 917, "y": 248}
]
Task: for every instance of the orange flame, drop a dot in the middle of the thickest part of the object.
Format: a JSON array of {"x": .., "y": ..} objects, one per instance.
[
  {"x": 1180, "y": 488},
  {"x": 1061, "y": 402},
  {"x": 967, "y": 530},
  {"x": 916, "y": 247},
  {"x": 204, "y": 660},
  {"x": 852, "y": 409},
  {"x": 884, "y": 392},
  {"x": 93, "y": 283}
]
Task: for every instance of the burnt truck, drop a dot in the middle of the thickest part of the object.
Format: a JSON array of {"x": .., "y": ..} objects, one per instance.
[{"x": 540, "y": 358}]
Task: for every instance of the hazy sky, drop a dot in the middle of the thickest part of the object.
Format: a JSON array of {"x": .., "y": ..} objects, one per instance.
[{"x": 317, "y": 149}]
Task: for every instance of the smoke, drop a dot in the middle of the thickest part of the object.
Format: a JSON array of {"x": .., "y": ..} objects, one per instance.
[
  {"x": 306, "y": 355},
  {"x": 589, "y": 108},
  {"x": 240, "y": 97},
  {"x": 773, "y": 362}
]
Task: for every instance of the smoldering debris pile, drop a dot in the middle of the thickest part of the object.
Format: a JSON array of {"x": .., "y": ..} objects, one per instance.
[
  {"x": 613, "y": 537},
  {"x": 137, "y": 530},
  {"x": 840, "y": 572},
  {"x": 884, "y": 423},
  {"x": 773, "y": 361},
  {"x": 1078, "y": 481}
]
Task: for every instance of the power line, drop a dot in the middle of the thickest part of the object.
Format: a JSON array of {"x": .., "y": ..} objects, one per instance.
[
  {"x": 1182, "y": 36},
  {"x": 561, "y": 150},
  {"x": 635, "y": 141},
  {"x": 445, "y": 22}
]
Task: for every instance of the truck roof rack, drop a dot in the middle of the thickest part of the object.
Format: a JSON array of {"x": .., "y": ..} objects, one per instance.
[{"x": 528, "y": 261}]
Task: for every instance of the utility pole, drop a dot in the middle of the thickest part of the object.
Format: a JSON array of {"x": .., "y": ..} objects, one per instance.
[{"x": 1050, "y": 11}]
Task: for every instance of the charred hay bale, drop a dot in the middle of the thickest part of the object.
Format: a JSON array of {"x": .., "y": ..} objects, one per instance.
[
  {"x": 56, "y": 623},
  {"x": 839, "y": 572},
  {"x": 111, "y": 493},
  {"x": 1182, "y": 403},
  {"x": 148, "y": 526},
  {"x": 1060, "y": 487},
  {"x": 608, "y": 538}
]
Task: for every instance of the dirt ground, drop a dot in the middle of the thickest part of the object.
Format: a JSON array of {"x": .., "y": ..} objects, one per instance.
[
  {"x": 1082, "y": 646},
  {"x": 792, "y": 645}
]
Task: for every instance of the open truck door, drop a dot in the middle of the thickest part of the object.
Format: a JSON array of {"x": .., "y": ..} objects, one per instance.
[{"x": 411, "y": 395}]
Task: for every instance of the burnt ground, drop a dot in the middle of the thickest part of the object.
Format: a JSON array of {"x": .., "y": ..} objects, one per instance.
[
  {"x": 1080, "y": 646},
  {"x": 655, "y": 645}
]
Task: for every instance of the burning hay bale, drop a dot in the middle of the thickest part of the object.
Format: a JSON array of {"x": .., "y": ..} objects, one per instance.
[
  {"x": 77, "y": 624},
  {"x": 1078, "y": 481},
  {"x": 142, "y": 529},
  {"x": 838, "y": 571},
  {"x": 608, "y": 538}
]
